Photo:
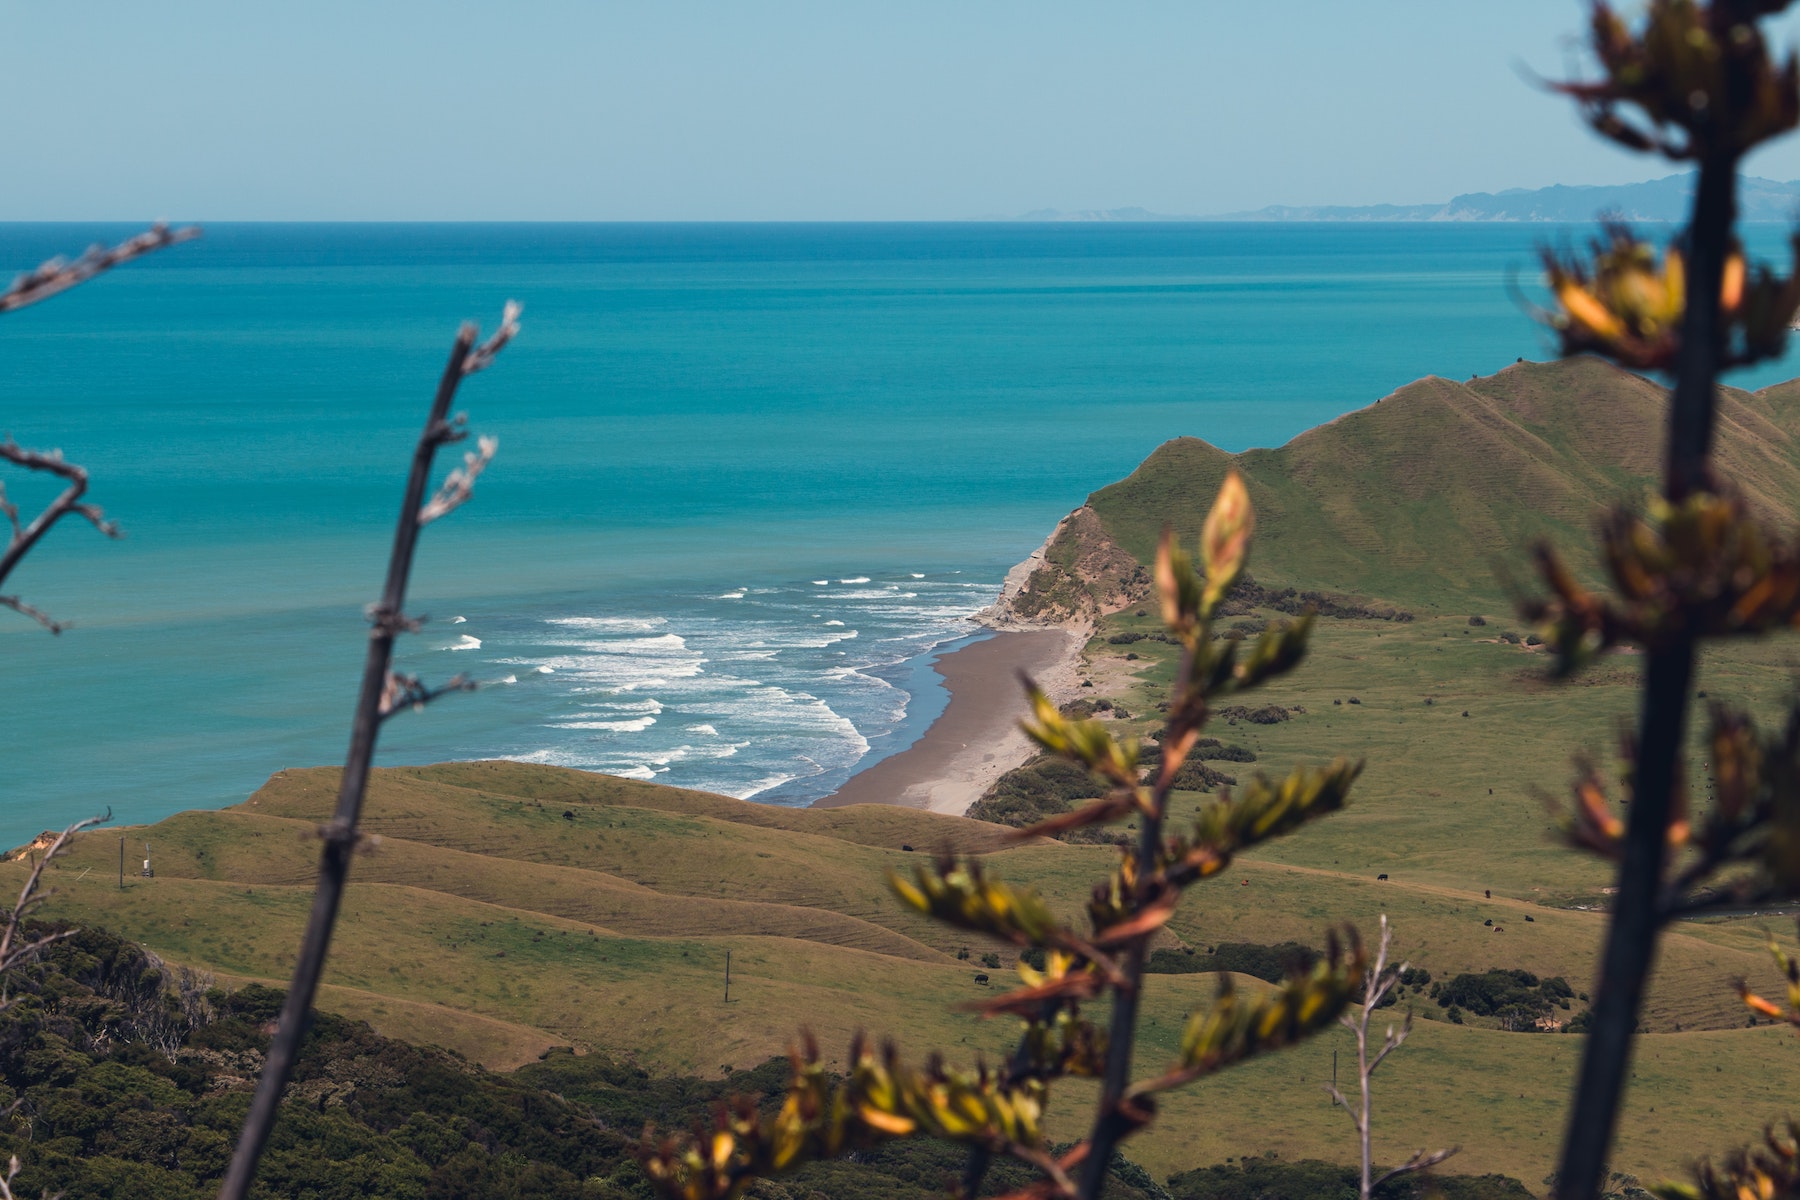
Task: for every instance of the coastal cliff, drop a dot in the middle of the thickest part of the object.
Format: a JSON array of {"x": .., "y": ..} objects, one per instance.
[{"x": 1076, "y": 577}]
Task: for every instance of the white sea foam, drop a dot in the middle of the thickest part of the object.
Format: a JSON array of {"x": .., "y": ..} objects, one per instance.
[
  {"x": 768, "y": 693},
  {"x": 647, "y": 705},
  {"x": 821, "y": 641},
  {"x": 611, "y": 624},
  {"x": 546, "y": 670},
  {"x": 467, "y": 643},
  {"x": 634, "y": 726},
  {"x": 459, "y": 620},
  {"x": 508, "y": 679},
  {"x": 762, "y": 785}
]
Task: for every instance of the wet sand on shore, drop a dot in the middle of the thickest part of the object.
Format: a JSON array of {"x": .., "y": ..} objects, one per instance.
[{"x": 977, "y": 738}]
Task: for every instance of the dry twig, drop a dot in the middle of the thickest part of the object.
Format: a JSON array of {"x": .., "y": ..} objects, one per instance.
[
  {"x": 1376, "y": 985},
  {"x": 23, "y": 537},
  {"x": 15, "y": 952},
  {"x": 60, "y": 274},
  {"x": 383, "y": 693}
]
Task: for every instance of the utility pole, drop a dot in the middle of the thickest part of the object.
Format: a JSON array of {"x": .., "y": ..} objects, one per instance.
[
  {"x": 121, "y": 864},
  {"x": 728, "y": 977}
]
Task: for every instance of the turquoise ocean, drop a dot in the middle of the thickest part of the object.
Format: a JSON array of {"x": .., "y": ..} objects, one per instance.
[{"x": 751, "y": 477}]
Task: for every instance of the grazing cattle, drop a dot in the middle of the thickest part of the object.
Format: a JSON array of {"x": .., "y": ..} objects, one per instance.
[
  {"x": 1531, "y": 918},
  {"x": 1246, "y": 883},
  {"x": 1383, "y": 876},
  {"x": 906, "y": 848},
  {"x": 1499, "y": 929},
  {"x": 1489, "y": 921},
  {"x": 1487, "y": 893}
]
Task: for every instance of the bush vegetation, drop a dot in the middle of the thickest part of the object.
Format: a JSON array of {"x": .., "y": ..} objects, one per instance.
[
  {"x": 1270, "y": 1178},
  {"x": 1517, "y": 998},
  {"x": 1271, "y": 963},
  {"x": 125, "y": 1091},
  {"x": 1043, "y": 788}
]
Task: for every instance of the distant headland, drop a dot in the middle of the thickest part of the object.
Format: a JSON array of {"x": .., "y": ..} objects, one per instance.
[{"x": 1655, "y": 200}]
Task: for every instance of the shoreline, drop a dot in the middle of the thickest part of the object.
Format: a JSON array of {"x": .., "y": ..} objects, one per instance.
[{"x": 976, "y": 739}]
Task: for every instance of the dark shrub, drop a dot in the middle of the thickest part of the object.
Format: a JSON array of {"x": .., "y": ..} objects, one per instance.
[{"x": 1271, "y": 963}]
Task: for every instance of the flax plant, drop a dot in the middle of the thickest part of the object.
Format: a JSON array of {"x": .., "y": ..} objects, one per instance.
[
  {"x": 999, "y": 1110},
  {"x": 1693, "y": 82}
]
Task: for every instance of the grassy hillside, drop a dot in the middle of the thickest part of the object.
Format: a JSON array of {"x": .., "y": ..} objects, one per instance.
[
  {"x": 510, "y": 908},
  {"x": 1420, "y": 497}
]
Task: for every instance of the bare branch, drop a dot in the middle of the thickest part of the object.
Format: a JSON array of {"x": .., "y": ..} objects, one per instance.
[
  {"x": 459, "y": 485},
  {"x": 1393, "y": 1041},
  {"x": 482, "y": 356},
  {"x": 382, "y": 694},
  {"x": 1380, "y": 980},
  {"x": 59, "y": 275},
  {"x": 24, "y": 537},
  {"x": 12, "y": 513},
  {"x": 1420, "y": 1161},
  {"x": 37, "y": 614},
  {"x": 405, "y": 691},
  {"x": 13, "y": 952}
]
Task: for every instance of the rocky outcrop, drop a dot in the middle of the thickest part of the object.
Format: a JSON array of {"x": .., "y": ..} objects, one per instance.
[{"x": 1077, "y": 576}]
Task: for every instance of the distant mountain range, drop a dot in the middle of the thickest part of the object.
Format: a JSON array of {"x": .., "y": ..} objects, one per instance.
[{"x": 1656, "y": 200}]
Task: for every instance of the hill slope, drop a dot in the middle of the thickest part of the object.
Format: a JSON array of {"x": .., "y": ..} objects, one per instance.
[
  {"x": 511, "y": 908},
  {"x": 1420, "y": 497}
]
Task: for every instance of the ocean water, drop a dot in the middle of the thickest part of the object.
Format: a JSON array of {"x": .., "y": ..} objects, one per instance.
[{"x": 750, "y": 477}]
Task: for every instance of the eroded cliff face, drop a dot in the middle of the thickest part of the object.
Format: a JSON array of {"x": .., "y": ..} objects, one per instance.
[{"x": 1078, "y": 575}]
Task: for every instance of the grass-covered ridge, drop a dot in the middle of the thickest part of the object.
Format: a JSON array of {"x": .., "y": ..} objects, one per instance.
[
  {"x": 489, "y": 921},
  {"x": 1420, "y": 497}
]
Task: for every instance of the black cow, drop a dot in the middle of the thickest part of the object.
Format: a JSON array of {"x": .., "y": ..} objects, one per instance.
[{"x": 1381, "y": 877}]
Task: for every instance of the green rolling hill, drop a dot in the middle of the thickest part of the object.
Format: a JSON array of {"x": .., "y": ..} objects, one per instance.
[{"x": 1419, "y": 498}]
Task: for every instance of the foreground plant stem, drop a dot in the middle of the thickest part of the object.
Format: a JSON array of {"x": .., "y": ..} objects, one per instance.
[
  {"x": 340, "y": 835},
  {"x": 1662, "y": 719},
  {"x": 1112, "y": 1124}
]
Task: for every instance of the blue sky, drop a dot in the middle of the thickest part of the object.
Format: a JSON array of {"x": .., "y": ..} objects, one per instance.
[{"x": 778, "y": 110}]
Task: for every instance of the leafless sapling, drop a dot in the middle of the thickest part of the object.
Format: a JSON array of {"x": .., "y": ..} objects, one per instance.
[
  {"x": 16, "y": 946},
  {"x": 1379, "y": 981},
  {"x": 384, "y": 692}
]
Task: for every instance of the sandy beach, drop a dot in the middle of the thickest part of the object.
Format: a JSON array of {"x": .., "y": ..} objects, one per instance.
[{"x": 976, "y": 739}]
